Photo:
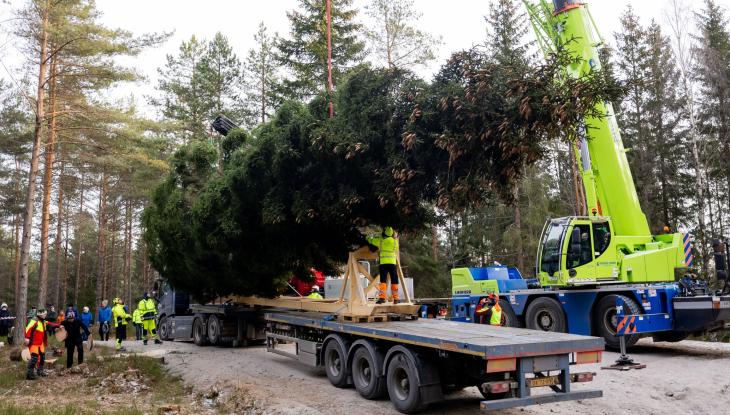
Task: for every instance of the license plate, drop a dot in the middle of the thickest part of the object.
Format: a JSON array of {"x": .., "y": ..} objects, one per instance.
[{"x": 546, "y": 381}]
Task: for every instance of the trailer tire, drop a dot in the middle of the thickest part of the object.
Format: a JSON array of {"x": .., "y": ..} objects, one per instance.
[
  {"x": 367, "y": 371},
  {"x": 199, "y": 337},
  {"x": 164, "y": 328},
  {"x": 546, "y": 314},
  {"x": 605, "y": 322},
  {"x": 403, "y": 382},
  {"x": 335, "y": 361},
  {"x": 214, "y": 329}
]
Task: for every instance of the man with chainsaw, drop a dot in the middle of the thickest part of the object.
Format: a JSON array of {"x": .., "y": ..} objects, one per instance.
[{"x": 36, "y": 338}]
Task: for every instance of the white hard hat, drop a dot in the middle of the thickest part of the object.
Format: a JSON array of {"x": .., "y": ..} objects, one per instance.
[
  {"x": 3, "y": 305},
  {"x": 315, "y": 287}
]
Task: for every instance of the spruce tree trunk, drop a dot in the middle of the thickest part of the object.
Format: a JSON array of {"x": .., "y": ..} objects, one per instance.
[
  {"x": 32, "y": 173},
  {"x": 50, "y": 153},
  {"x": 518, "y": 229}
]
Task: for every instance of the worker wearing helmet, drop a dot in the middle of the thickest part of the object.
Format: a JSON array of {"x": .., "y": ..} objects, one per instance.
[
  {"x": 6, "y": 321},
  {"x": 149, "y": 313},
  {"x": 489, "y": 310},
  {"x": 36, "y": 338},
  {"x": 315, "y": 293},
  {"x": 120, "y": 317},
  {"x": 387, "y": 244}
]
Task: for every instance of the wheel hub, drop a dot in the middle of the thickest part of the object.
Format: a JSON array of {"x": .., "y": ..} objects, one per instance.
[{"x": 545, "y": 320}]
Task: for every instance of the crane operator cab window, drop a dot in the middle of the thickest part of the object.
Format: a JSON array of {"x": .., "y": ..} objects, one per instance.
[
  {"x": 580, "y": 249},
  {"x": 601, "y": 237}
]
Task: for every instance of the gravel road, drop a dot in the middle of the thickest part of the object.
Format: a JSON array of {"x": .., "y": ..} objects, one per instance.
[{"x": 688, "y": 377}]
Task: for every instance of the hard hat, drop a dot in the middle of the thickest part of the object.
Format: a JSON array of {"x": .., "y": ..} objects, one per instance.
[
  {"x": 315, "y": 288},
  {"x": 3, "y": 305},
  {"x": 41, "y": 313},
  {"x": 492, "y": 296},
  {"x": 86, "y": 309},
  {"x": 388, "y": 231}
]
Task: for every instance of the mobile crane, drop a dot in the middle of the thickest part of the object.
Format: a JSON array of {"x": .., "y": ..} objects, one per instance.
[{"x": 586, "y": 265}]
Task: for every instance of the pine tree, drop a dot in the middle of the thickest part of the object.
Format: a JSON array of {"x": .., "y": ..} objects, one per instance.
[
  {"x": 304, "y": 53},
  {"x": 221, "y": 79},
  {"x": 262, "y": 78},
  {"x": 183, "y": 99},
  {"x": 394, "y": 37}
]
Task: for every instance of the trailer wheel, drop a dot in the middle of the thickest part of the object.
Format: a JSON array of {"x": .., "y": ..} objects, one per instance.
[
  {"x": 606, "y": 321},
  {"x": 214, "y": 329},
  {"x": 335, "y": 362},
  {"x": 403, "y": 384},
  {"x": 164, "y": 329},
  {"x": 545, "y": 314},
  {"x": 199, "y": 337},
  {"x": 367, "y": 373}
]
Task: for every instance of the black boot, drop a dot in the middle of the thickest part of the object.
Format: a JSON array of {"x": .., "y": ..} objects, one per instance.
[
  {"x": 41, "y": 368},
  {"x": 144, "y": 342},
  {"x": 380, "y": 301},
  {"x": 30, "y": 374},
  {"x": 158, "y": 341}
]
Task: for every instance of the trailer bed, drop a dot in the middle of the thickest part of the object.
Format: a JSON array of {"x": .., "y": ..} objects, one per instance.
[{"x": 488, "y": 342}]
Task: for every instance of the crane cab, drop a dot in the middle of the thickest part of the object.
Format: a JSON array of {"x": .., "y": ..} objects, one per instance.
[
  {"x": 575, "y": 251},
  {"x": 578, "y": 250}
]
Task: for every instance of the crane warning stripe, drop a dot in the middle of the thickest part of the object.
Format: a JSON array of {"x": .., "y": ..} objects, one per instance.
[{"x": 688, "y": 257}]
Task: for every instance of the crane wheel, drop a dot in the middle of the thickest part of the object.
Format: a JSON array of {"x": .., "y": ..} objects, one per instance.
[
  {"x": 605, "y": 320},
  {"x": 546, "y": 314}
]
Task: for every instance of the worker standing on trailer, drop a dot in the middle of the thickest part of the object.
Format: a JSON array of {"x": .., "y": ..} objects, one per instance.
[
  {"x": 149, "y": 314},
  {"x": 120, "y": 322},
  {"x": 489, "y": 310},
  {"x": 387, "y": 244}
]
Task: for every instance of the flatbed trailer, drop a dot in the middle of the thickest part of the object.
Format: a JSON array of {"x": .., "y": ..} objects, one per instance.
[{"x": 417, "y": 361}]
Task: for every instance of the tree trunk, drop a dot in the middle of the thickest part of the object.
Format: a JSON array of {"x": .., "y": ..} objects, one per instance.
[
  {"x": 50, "y": 153},
  {"x": 64, "y": 285},
  {"x": 79, "y": 245},
  {"x": 518, "y": 230},
  {"x": 128, "y": 251},
  {"x": 59, "y": 234},
  {"x": 16, "y": 255},
  {"x": 32, "y": 173},
  {"x": 101, "y": 240},
  {"x": 110, "y": 282}
]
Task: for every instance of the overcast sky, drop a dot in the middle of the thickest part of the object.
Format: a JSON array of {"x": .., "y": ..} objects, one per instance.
[{"x": 459, "y": 22}]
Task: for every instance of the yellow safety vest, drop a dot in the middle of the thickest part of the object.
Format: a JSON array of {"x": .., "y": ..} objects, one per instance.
[
  {"x": 387, "y": 247},
  {"x": 496, "y": 319},
  {"x": 119, "y": 315},
  {"x": 315, "y": 295}
]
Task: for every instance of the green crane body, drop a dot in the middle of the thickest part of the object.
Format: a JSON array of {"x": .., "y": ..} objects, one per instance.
[{"x": 613, "y": 244}]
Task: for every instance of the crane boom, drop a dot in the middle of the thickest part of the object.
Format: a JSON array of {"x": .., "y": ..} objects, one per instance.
[
  {"x": 609, "y": 185},
  {"x": 614, "y": 243}
]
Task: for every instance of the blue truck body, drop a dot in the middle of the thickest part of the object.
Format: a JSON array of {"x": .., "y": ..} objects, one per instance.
[{"x": 664, "y": 309}]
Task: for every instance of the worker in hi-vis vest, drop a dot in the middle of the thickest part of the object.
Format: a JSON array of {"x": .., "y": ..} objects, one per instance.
[
  {"x": 489, "y": 310},
  {"x": 387, "y": 245}
]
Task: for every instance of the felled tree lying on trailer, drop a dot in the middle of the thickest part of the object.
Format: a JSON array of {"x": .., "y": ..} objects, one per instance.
[{"x": 294, "y": 193}]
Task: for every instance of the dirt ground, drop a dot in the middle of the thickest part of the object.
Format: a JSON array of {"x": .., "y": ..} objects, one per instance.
[{"x": 688, "y": 377}]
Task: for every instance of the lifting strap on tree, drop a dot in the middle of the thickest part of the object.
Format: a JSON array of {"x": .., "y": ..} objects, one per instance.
[{"x": 329, "y": 57}]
